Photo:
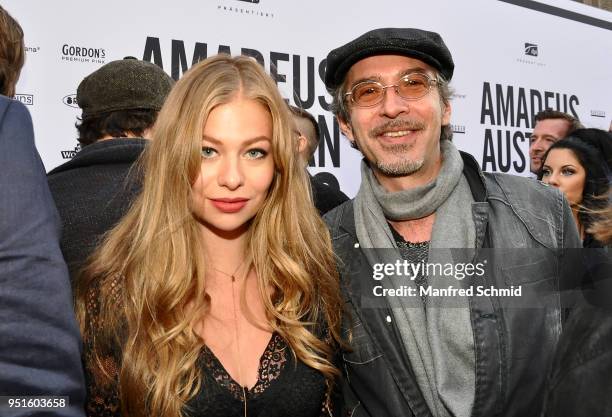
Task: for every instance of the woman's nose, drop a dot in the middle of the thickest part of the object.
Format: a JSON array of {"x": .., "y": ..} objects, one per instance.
[{"x": 230, "y": 173}]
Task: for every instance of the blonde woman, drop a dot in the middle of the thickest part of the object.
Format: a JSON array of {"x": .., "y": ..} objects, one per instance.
[{"x": 217, "y": 294}]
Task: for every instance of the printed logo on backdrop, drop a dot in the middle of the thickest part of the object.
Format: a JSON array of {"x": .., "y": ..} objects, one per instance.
[
  {"x": 32, "y": 49},
  {"x": 27, "y": 99},
  {"x": 304, "y": 70},
  {"x": 507, "y": 115},
  {"x": 71, "y": 153},
  {"x": 531, "y": 49},
  {"x": 530, "y": 56},
  {"x": 598, "y": 113},
  {"x": 245, "y": 8},
  {"x": 458, "y": 129},
  {"x": 71, "y": 101},
  {"x": 83, "y": 54}
]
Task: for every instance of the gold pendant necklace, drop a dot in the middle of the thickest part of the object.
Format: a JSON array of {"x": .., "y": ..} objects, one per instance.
[{"x": 236, "y": 331}]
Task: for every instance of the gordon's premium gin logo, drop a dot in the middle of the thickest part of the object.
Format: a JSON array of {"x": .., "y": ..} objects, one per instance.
[{"x": 79, "y": 53}]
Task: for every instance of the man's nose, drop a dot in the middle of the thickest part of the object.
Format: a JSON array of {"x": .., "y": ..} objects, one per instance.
[
  {"x": 536, "y": 146},
  {"x": 392, "y": 104}
]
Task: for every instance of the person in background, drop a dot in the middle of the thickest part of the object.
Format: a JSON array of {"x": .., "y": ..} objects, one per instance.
[
  {"x": 325, "y": 197},
  {"x": 120, "y": 102},
  {"x": 550, "y": 126},
  {"x": 579, "y": 170},
  {"x": 39, "y": 338},
  {"x": 422, "y": 355},
  {"x": 579, "y": 382},
  {"x": 217, "y": 294}
]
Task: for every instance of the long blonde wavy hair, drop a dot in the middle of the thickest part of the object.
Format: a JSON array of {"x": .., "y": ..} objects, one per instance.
[{"x": 148, "y": 277}]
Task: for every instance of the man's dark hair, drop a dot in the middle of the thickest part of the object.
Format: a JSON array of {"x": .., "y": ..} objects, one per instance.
[
  {"x": 12, "y": 53},
  {"x": 554, "y": 114},
  {"x": 117, "y": 124}
]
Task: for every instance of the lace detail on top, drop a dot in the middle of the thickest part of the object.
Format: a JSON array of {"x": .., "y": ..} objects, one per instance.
[
  {"x": 102, "y": 393},
  {"x": 271, "y": 363}
]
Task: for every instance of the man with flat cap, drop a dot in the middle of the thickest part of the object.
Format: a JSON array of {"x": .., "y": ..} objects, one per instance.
[
  {"x": 428, "y": 343},
  {"x": 120, "y": 103}
]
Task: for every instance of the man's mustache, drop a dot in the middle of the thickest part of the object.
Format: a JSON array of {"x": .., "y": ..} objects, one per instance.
[{"x": 397, "y": 124}]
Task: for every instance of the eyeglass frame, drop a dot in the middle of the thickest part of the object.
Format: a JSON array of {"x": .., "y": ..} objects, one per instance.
[{"x": 430, "y": 82}]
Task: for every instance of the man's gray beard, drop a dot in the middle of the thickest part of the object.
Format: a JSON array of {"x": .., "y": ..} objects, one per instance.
[{"x": 400, "y": 168}]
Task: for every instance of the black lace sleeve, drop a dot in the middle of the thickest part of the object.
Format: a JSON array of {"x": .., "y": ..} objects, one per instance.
[{"x": 101, "y": 363}]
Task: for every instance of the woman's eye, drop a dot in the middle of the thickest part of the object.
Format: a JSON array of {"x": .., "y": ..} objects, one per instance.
[
  {"x": 208, "y": 152},
  {"x": 567, "y": 172},
  {"x": 256, "y": 153},
  {"x": 545, "y": 172}
]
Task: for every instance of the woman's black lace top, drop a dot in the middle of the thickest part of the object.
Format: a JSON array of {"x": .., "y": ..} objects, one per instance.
[{"x": 285, "y": 386}]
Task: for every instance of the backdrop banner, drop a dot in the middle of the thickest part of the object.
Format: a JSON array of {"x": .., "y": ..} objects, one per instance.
[{"x": 513, "y": 58}]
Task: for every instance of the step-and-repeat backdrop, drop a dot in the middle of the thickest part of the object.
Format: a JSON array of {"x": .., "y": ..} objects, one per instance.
[{"x": 513, "y": 58}]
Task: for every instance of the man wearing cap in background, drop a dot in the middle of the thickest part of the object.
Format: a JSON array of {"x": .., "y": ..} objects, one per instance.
[
  {"x": 422, "y": 355},
  {"x": 120, "y": 102}
]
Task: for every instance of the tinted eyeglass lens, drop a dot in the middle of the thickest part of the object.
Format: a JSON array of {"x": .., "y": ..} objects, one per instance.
[
  {"x": 413, "y": 86},
  {"x": 367, "y": 94}
]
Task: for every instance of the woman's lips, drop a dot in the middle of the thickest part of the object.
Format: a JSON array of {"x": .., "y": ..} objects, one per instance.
[{"x": 229, "y": 205}]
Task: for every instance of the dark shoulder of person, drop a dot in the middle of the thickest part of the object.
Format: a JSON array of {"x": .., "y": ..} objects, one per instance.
[{"x": 325, "y": 196}]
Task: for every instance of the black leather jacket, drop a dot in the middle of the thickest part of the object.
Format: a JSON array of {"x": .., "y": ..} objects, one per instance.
[{"x": 514, "y": 344}]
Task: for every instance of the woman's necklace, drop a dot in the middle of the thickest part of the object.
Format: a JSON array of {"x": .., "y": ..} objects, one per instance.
[{"x": 236, "y": 332}]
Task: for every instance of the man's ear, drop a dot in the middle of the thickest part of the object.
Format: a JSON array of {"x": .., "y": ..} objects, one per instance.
[
  {"x": 346, "y": 129},
  {"x": 446, "y": 114}
]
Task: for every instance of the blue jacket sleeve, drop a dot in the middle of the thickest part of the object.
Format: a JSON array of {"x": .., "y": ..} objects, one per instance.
[{"x": 39, "y": 337}]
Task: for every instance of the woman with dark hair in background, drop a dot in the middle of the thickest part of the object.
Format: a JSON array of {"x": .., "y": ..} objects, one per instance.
[
  {"x": 217, "y": 294},
  {"x": 578, "y": 169}
]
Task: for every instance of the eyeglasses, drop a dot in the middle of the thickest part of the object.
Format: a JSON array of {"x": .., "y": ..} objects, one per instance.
[{"x": 409, "y": 87}]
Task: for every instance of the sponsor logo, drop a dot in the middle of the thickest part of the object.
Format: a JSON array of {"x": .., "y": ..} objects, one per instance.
[
  {"x": 458, "y": 128},
  {"x": 531, "y": 49},
  {"x": 79, "y": 53},
  {"x": 71, "y": 154},
  {"x": 70, "y": 100},
  {"x": 459, "y": 96},
  {"x": 250, "y": 1},
  {"x": 32, "y": 49},
  {"x": 27, "y": 99},
  {"x": 598, "y": 113},
  {"x": 531, "y": 52}
]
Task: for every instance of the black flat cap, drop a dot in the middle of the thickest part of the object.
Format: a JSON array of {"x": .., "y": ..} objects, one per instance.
[
  {"x": 126, "y": 84},
  {"x": 415, "y": 43}
]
